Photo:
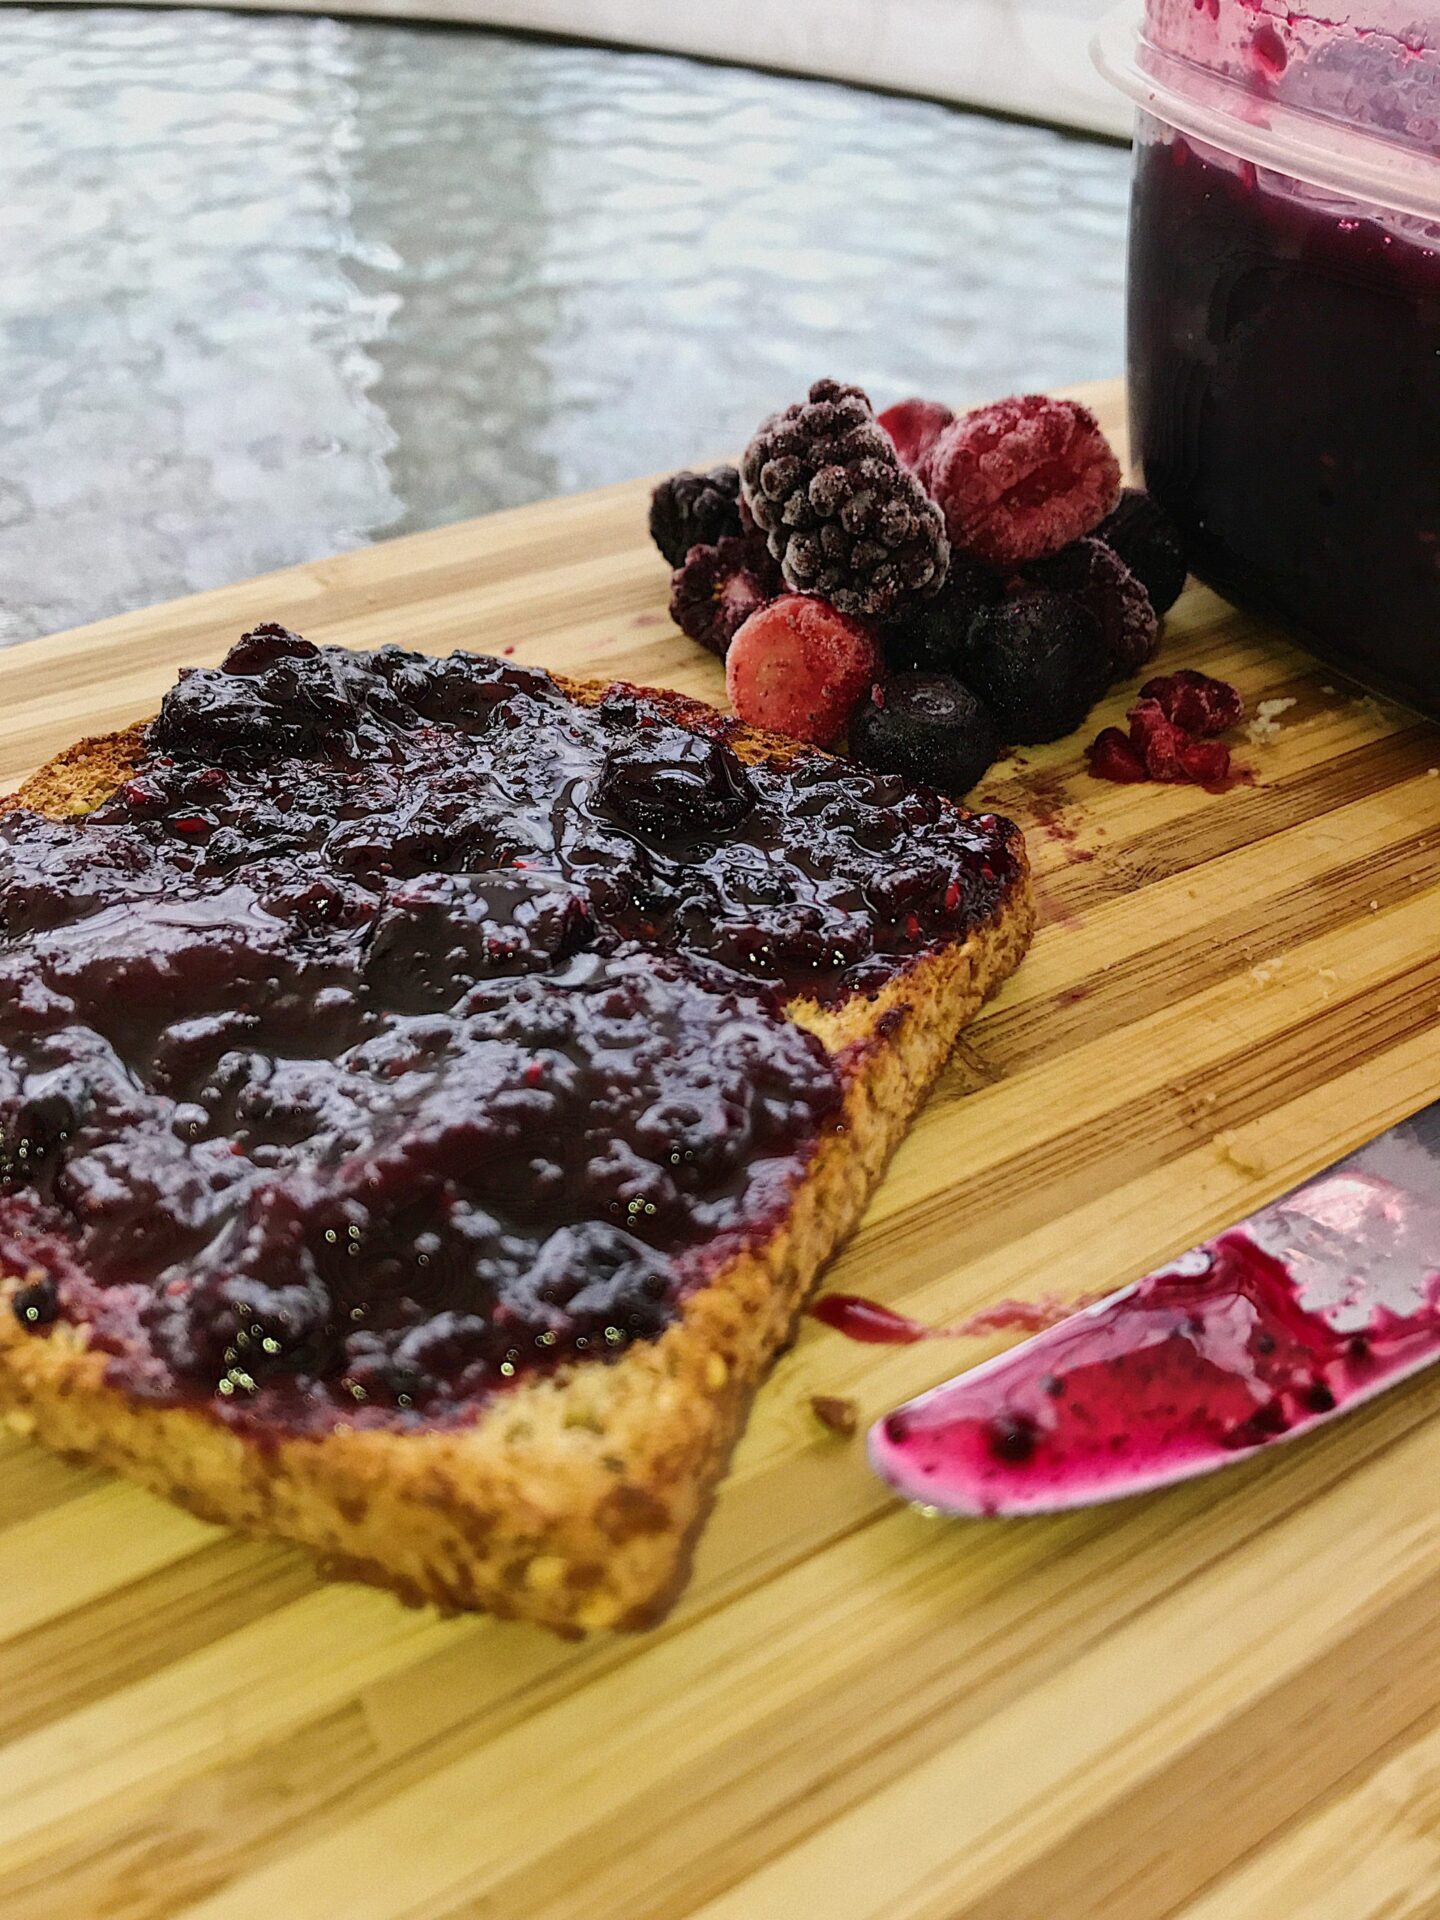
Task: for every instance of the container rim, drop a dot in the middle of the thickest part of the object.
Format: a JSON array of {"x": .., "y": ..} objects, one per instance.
[{"x": 1357, "y": 162}]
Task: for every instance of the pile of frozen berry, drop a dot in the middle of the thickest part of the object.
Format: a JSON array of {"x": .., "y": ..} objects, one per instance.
[{"x": 935, "y": 588}]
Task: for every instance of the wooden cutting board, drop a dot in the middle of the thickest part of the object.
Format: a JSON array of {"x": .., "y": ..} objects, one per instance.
[{"x": 1221, "y": 1703}]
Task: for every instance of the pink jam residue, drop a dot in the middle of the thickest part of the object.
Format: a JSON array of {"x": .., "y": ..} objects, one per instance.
[
  {"x": 1227, "y": 1351},
  {"x": 876, "y": 1325}
]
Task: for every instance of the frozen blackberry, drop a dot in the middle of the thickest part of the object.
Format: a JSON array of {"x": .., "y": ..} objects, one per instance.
[
  {"x": 927, "y": 727},
  {"x": 718, "y": 588},
  {"x": 694, "y": 510},
  {"x": 1148, "y": 541},
  {"x": 1099, "y": 579},
  {"x": 932, "y": 634},
  {"x": 844, "y": 519},
  {"x": 1040, "y": 663}
]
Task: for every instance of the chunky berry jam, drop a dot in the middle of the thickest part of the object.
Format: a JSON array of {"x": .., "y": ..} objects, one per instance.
[
  {"x": 403, "y": 1026},
  {"x": 1285, "y": 406}
]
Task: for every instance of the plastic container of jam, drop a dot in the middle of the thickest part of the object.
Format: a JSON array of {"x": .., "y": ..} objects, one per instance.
[{"x": 1284, "y": 312}]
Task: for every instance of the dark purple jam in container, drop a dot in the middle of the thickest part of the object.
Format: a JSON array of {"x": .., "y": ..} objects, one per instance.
[{"x": 1285, "y": 398}]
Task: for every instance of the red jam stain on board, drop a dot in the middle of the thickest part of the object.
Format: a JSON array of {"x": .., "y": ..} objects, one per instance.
[
  {"x": 876, "y": 1325},
  {"x": 1047, "y": 800},
  {"x": 1188, "y": 1368}
]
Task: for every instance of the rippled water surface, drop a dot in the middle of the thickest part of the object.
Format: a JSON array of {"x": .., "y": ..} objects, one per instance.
[{"x": 275, "y": 287}]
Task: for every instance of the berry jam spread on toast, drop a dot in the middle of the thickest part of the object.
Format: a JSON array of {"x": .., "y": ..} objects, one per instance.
[{"x": 403, "y": 1026}]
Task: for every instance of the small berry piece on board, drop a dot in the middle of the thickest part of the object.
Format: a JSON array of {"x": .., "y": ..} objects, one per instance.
[
  {"x": 1022, "y": 478},
  {"x": 1112, "y": 757},
  {"x": 1195, "y": 701},
  {"x": 800, "y": 667}
]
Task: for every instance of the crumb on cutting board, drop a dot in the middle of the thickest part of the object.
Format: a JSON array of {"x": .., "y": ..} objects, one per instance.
[
  {"x": 836, "y": 1413},
  {"x": 1265, "y": 724},
  {"x": 1245, "y": 1156}
]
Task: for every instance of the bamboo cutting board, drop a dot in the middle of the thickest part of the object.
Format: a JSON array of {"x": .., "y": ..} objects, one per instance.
[{"x": 1219, "y": 1703}]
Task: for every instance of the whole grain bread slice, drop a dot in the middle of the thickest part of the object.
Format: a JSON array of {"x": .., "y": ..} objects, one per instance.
[{"x": 573, "y": 1499}]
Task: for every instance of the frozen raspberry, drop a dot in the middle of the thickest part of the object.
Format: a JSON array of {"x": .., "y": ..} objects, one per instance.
[
  {"x": 933, "y": 634},
  {"x": 1195, "y": 702},
  {"x": 1148, "y": 541},
  {"x": 844, "y": 519},
  {"x": 1022, "y": 478},
  {"x": 927, "y": 727},
  {"x": 1170, "y": 753},
  {"x": 1169, "y": 728},
  {"x": 915, "y": 426},
  {"x": 1039, "y": 663},
  {"x": 1206, "y": 762},
  {"x": 1099, "y": 579},
  {"x": 718, "y": 588},
  {"x": 1158, "y": 741},
  {"x": 800, "y": 667},
  {"x": 1111, "y": 757},
  {"x": 694, "y": 510}
]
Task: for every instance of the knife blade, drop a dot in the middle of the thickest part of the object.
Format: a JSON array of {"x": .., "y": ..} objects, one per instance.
[{"x": 1301, "y": 1312}]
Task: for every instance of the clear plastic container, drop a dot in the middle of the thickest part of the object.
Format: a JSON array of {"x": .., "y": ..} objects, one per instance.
[{"x": 1284, "y": 312}]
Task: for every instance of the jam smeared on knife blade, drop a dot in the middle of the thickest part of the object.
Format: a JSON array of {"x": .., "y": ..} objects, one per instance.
[
  {"x": 1236, "y": 1346},
  {"x": 403, "y": 1026}
]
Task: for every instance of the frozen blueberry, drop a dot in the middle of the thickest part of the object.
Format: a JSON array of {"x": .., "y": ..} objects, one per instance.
[
  {"x": 927, "y": 727},
  {"x": 1040, "y": 663},
  {"x": 932, "y": 635}
]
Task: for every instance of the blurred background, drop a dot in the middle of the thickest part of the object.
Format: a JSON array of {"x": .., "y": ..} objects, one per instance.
[{"x": 279, "y": 283}]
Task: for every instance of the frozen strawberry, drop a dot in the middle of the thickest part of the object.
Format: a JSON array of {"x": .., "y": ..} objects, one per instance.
[
  {"x": 1111, "y": 757},
  {"x": 799, "y": 667},
  {"x": 915, "y": 426},
  {"x": 1022, "y": 478},
  {"x": 1195, "y": 701}
]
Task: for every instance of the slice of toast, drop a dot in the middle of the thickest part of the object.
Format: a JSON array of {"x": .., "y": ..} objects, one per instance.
[{"x": 573, "y": 1498}]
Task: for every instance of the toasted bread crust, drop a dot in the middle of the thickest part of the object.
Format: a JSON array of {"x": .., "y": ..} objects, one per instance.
[{"x": 573, "y": 1499}]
